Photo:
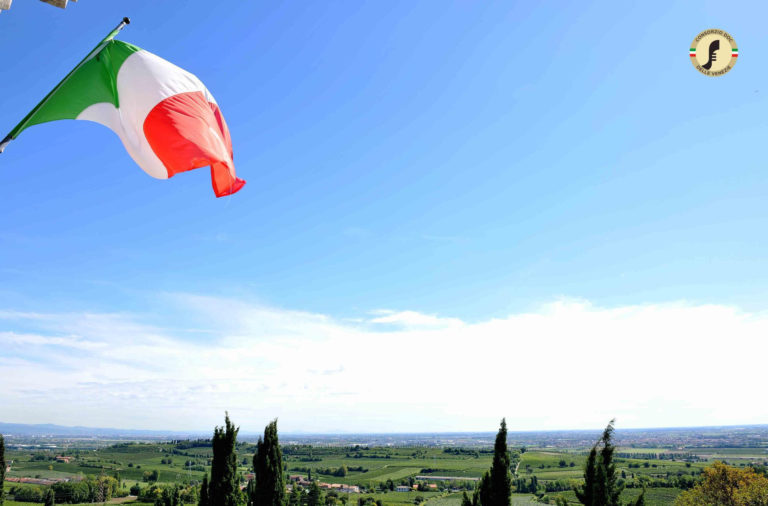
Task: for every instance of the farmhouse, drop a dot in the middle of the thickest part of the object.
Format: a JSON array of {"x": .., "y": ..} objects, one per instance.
[
  {"x": 402, "y": 488},
  {"x": 339, "y": 487},
  {"x": 32, "y": 481}
]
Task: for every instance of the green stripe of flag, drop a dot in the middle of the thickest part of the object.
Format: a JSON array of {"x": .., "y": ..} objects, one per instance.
[{"x": 90, "y": 82}]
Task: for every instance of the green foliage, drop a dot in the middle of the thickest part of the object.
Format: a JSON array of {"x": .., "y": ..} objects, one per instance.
[
  {"x": 171, "y": 496},
  {"x": 96, "y": 489},
  {"x": 387, "y": 469},
  {"x": 523, "y": 486},
  {"x": 269, "y": 489},
  {"x": 27, "y": 494},
  {"x": 204, "y": 501},
  {"x": 315, "y": 496},
  {"x": 151, "y": 494},
  {"x": 49, "y": 498},
  {"x": 495, "y": 487},
  {"x": 295, "y": 497},
  {"x": 501, "y": 479},
  {"x": 482, "y": 492},
  {"x": 224, "y": 489},
  {"x": 602, "y": 486},
  {"x": 2, "y": 469},
  {"x": 729, "y": 486}
]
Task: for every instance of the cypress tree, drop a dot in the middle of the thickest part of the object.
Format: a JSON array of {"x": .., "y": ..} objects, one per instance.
[
  {"x": 224, "y": 488},
  {"x": 2, "y": 469},
  {"x": 250, "y": 492},
  {"x": 495, "y": 487},
  {"x": 482, "y": 495},
  {"x": 269, "y": 489},
  {"x": 204, "y": 492},
  {"x": 608, "y": 487},
  {"x": 586, "y": 493},
  {"x": 465, "y": 501},
  {"x": 49, "y": 497},
  {"x": 601, "y": 484},
  {"x": 500, "y": 493}
]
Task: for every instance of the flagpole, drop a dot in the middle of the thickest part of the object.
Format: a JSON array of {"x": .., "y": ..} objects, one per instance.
[{"x": 18, "y": 128}]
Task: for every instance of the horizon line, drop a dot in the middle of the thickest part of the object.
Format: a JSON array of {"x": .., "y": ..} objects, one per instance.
[{"x": 175, "y": 432}]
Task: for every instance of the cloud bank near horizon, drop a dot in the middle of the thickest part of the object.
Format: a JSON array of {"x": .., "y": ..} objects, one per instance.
[{"x": 566, "y": 365}]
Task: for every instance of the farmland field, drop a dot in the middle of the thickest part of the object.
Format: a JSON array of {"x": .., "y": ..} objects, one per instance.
[
  {"x": 653, "y": 496},
  {"x": 434, "y": 475}
]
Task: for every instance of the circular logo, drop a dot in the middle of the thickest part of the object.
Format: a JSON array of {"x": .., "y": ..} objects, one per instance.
[{"x": 714, "y": 52}]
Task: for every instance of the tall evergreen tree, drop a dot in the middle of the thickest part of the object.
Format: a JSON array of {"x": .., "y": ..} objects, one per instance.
[
  {"x": 601, "y": 484},
  {"x": 49, "y": 498},
  {"x": 269, "y": 489},
  {"x": 224, "y": 488},
  {"x": 482, "y": 494},
  {"x": 500, "y": 477},
  {"x": 204, "y": 492},
  {"x": 495, "y": 487},
  {"x": 250, "y": 492},
  {"x": 586, "y": 493},
  {"x": 2, "y": 469}
]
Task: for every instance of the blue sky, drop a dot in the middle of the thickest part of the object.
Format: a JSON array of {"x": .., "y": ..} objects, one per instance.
[{"x": 413, "y": 168}]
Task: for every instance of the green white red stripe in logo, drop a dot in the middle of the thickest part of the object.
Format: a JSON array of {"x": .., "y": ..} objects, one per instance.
[
  {"x": 165, "y": 117},
  {"x": 734, "y": 52}
]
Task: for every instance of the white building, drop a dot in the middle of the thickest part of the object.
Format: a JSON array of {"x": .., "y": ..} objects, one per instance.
[{"x": 6, "y": 4}]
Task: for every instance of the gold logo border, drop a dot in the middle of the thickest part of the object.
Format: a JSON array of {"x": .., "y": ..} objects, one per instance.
[{"x": 732, "y": 61}]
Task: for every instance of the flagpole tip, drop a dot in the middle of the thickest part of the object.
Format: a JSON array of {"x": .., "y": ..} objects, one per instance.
[{"x": 127, "y": 21}]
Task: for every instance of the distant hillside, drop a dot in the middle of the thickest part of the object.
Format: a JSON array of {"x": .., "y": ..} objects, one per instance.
[
  {"x": 676, "y": 437},
  {"x": 47, "y": 429}
]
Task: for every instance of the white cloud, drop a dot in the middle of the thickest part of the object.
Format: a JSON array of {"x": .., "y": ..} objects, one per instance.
[
  {"x": 651, "y": 365},
  {"x": 414, "y": 319}
]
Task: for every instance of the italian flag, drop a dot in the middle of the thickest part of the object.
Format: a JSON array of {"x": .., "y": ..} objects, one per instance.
[{"x": 166, "y": 118}]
